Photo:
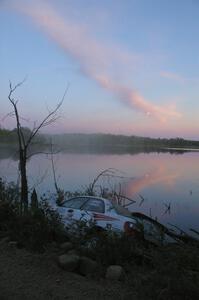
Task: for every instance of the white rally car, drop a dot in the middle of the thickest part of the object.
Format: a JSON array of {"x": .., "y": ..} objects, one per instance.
[{"x": 105, "y": 213}]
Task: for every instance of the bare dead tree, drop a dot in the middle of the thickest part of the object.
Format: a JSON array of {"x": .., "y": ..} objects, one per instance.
[
  {"x": 59, "y": 191},
  {"x": 107, "y": 173},
  {"x": 24, "y": 143}
]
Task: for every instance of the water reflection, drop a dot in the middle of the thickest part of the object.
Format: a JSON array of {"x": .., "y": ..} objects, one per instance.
[
  {"x": 159, "y": 175},
  {"x": 161, "y": 179}
]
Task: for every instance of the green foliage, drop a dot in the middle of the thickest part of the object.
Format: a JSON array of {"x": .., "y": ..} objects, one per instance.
[
  {"x": 9, "y": 205},
  {"x": 9, "y": 192},
  {"x": 7, "y": 216},
  {"x": 111, "y": 143},
  {"x": 38, "y": 227},
  {"x": 105, "y": 246},
  {"x": 34, "y": 229},
  {"x": 166, "y": 273},
  {"x": 10, "y": 136},
  {"x": 111, "y": 248},
  {"x": 174, "y": 275},
  {"x": 34, "y": 204}
]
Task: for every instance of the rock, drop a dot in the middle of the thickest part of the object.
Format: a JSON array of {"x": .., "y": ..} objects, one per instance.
[
  {"x": 66, "y": 246},
  {"x": 4, "y": 240},
  {"x": 58, "y": 280},
  {"x": 114, "y": 272},
  {"x": 73, "y": 251},
  {"x": 12, "y": 244},
  {"x": 69, "y": 262},
  {"x": 87, "y": 266}
]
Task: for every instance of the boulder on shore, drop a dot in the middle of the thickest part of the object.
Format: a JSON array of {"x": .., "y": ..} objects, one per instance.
[
  {"x": 69, "y": 262},
  {"x": 114, "y": 272},
  {"x": 87, "y": 266},
  {"x": 66, "y": 246}
]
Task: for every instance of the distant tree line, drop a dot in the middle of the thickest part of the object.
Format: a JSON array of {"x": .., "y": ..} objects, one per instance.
[
  {"x": 10, "y": 136},
  {"x": 121, "y": 141},
  {"x": 99, "y": 141}
]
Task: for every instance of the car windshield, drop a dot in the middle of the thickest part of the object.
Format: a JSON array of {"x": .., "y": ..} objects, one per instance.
[
  {"x": 96, "y": 205},
  {"x": 75, "y": 202},
  {"x": 120, "y": 210}
]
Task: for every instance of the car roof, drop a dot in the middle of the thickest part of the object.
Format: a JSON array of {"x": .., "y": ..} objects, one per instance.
[
  {"x": 85, "y": 196},
  {"x": 119, "y": 208},
  {"x": 91, "y": 197}
]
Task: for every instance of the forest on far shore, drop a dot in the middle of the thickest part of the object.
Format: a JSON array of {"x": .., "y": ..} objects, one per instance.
[{"x": 98, "y": 140}]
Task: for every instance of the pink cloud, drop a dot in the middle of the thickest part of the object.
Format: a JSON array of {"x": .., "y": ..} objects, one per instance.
[
  {"x": 95, "y": 59},
  {"x": 134, "y": 100}
]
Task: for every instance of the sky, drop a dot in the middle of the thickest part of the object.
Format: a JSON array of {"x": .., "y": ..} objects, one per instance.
[{"x": 131, "y": 66}]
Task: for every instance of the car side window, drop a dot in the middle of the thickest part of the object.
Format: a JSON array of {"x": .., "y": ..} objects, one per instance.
[
  {"x": 75, "y": 203},
  {"x": 94, "y": 205}
]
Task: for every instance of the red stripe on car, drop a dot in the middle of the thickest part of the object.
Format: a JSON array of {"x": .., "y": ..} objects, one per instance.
[{"x": 99, "y": 217}]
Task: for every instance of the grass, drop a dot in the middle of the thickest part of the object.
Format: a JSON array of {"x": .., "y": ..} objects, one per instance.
[{"x": 154, "y": 272}]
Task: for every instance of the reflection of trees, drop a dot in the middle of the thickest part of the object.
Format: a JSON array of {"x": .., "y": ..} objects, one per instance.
[
  {"x": 107, "y": 149},
  {"x": 8, "y": 152}
]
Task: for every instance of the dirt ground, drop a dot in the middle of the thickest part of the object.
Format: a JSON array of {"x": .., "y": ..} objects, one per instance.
[{"x": 24, "y": 275}]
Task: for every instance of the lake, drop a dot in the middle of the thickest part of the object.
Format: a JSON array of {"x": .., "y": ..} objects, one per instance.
[{"x": 156, "y": 181}]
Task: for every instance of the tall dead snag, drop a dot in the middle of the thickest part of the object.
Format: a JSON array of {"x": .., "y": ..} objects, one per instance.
[
  {"x": 24, "y": 142},
  {"x": 60, "y": 192}
]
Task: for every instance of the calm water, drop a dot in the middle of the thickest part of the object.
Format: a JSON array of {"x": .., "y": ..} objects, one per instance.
[{"x": 161, "y": 179}]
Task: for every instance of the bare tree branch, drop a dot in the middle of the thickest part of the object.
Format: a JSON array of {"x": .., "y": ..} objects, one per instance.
[
  {"x": 24, "y": 143},
  {"x": 40, "y": 152},
  {"x": 49, "y": 119},
  {"x": 12, "y": 89},
  {"x": 39, "y": 180}
]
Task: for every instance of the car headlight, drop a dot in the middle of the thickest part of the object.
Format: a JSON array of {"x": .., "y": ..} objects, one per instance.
[{"x": 129, "y": 227}]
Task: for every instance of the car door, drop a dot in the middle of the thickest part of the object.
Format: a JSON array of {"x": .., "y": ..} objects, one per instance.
[
  {"x": 71, "y": 210},
  {"x": 101, "y": 217}
]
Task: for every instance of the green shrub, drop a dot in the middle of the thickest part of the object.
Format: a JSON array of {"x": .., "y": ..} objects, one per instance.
[
  {"x": 7, "y": 216},
  {"x": 9, "y": 205},
  {"x": 34, "y": 229},
  {"x": 9, "y": 192},
  {"x": 105, "y": 246},
  {"x": 174, "y": 275},
  {"x": 37, "y": 228}
]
